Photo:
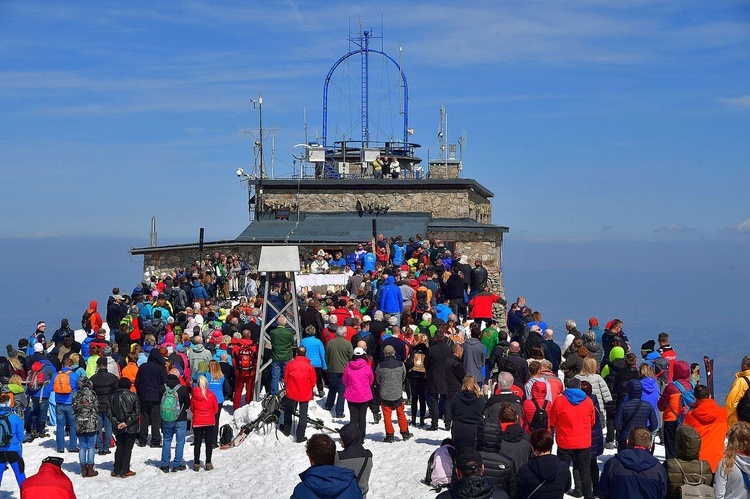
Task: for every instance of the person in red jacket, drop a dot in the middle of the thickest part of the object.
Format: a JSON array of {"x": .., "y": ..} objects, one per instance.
[
  {"x": 341, "y": 312},
  {"x": 94, "y": 317},
  {"x": 244, "y": 357},
  {"x": 538, "y": 396},
  {"x": 204, "y": 405},
  {"x": 50, "y": 481},
  {"x": 300, "y": 380},
  {"x": 572, "y": 416},
  {"x": 481, "y": 306}
]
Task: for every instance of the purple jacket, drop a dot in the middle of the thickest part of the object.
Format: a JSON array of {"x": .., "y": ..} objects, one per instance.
[{"x": 358, "y": 380}]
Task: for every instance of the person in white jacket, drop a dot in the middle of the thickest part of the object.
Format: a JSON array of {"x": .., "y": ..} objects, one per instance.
[{"x": 734, "y": 468}]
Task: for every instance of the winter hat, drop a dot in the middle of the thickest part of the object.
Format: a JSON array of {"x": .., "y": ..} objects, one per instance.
[
  {"x": 593, "y": 322},
  {"x": 38, "y": 347},
  {"x": 389, "y": 351},
  {"x": 469, "y": 460},
  {"x": 101, "y": 361},
  {"x": 366, "y": 318},
  {"x": 360, "y": 352},
  {"x": 648, "y": 347},
  {"x": 124, "y": 383}
]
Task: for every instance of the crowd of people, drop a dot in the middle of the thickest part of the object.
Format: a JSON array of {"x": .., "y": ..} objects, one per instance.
[{"x": 416, "y": 333}]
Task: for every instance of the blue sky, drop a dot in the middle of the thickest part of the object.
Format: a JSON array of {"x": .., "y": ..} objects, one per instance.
[{"x": 589, "y": 120}]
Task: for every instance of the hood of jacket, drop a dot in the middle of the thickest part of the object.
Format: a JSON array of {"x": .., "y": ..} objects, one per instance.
[
  {"x": 593, "y": 346},
  {"x": 85, "y": 383},
  {"x": 539, "y": 390},
  {"x": 688, "y": 443},
  {"x": 652, "y": 356},
  {"x": 616, "y": 353},
  {"x": 743, "y": 462},
  {"x": 155, "y": 356},
  {"x": 707, "y": 412},
  {"x": 472, "y": 487},
  {"x": 327, "y": 481},
  {"x": 513, "y": 433},
  {"x": 93, "y": 305},
  {"x": 681, "y": 370},
  {"x": 637, "y": 460},
  {"x": 467, "y": 397},
  {"x": 649, "y": 386},
  {"x": 634, "y": 389},
  {"x": 349, "y": 434},
  {"x": 574, "y": 395},
  {"x": 198, "y": 348},
  {"x": 357, "y": 364},
  {"x": 172, "y": 381},
  {"x": 389, "y": 280}
]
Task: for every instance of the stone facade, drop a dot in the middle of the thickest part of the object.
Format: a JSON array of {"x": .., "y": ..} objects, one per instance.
[{"x": 440, "y": 203}]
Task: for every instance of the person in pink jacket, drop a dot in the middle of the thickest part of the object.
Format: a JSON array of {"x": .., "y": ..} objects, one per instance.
[{"x": 358, "y": 380}]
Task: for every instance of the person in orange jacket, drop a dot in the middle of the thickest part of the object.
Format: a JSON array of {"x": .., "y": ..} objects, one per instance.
[
  {"x": 50, "y": 481},
  {"x": 710, "y": 421}
]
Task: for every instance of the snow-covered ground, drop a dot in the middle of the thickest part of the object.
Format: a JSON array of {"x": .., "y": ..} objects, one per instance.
[{"x": 261, "y": 467}]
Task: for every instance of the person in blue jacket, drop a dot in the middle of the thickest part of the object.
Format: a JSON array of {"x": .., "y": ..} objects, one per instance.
[
  {"x": 317, "y": 355},
  {"x": 634, "y": 473},
  {"x": 199, "y": 292},
  {"x": 390, "y": 300},
  {"x": 368, "y": 262},
  {"x": 64, "y": 393},
  {"x": 11, "y": 453},
  {"x": 39, "y": 399},
  {"x": 322, "y": 478}
]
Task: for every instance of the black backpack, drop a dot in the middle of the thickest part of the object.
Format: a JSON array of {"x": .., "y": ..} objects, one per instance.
[
  {"x": 174, "y": 298},
  {"x": 422, "y": 303},
  {"x": 6, "y": 430},
  {"x": 743, "y": 407},
  {"x": 540, "y": 419},
  {"x": 86, "y": 321},
  {"x": 226, "y": 434}
]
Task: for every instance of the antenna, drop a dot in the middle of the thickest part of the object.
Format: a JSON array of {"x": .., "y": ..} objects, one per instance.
[
  {"x": 461, "y": 144},
  {"x": 274, "y": 129},
  {"x": 153, "y": 232}
]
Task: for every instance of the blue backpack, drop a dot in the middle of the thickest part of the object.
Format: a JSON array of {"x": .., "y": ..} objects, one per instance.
[{"x": 687, "y": 401}]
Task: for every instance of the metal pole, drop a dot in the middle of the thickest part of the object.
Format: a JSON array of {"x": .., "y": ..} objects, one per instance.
[{"x": 200, "y": 247}]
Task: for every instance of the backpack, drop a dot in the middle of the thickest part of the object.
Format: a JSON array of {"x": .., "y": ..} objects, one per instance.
[
  {"x": 147, "y": 325},
  {"x": 86, "y": 410},
  {"x": 425, "y": 330},
  {"x": 158, "y": 327},
  {"x": 36, "y": 378},
  {"x": 86, "y": 321},
  {"x": 6, "y": 430},
  {"x": 174, "y": 298},
  {"x": 444, "y": 461},
  {"x": 226, "y": 434},
  {"x": 743, "y": 407},
  {"x": 540, "y": 420},
  {"x": 422, "y": 303},
  {"x": 128, "y": 321},
  {"x": 697, "y": 489},
  {"x": 170, "y": 405},
  {"x": 61, "y": 385},
  {"x": 687, "y": 401},
  {"x": 418, "y": 365},
  {"x": 245, "y": 358}
]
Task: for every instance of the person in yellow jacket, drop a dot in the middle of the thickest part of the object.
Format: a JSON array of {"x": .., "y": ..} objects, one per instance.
[{"x": 739, "y": 387}]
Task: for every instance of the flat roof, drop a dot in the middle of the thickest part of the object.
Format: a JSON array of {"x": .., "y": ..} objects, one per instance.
[{"x": 370, "y": 184}]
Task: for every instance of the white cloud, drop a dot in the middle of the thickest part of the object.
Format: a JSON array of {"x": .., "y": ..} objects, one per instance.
[
  {"x": 674, "y": 229},
  {"x": 740, "y": 228},
  {"x": 742, "y": 101}
]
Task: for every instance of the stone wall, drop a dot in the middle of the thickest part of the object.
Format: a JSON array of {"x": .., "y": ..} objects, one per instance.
[
  {"x": 485, "y": 246},
  {"x": 161, "y": 262},
  {"x": 441, "y": 203}
]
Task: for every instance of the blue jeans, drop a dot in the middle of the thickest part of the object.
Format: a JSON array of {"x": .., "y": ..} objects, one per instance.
[
  {"x": 178, "y": 429},
  {"x": 65, "y": 413},
  {"x": 336, "y": 387},
  {"x": 86, "y": 444},
  {"x": 38, "y": 409},
  {"x": 277, "y": 372},
  {"x": 52, "y": 418},
  {"x": 106, "y": 423}
]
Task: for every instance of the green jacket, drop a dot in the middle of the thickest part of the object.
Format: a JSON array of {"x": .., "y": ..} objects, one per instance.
[
  {"x": 282, "y": 342},
  {"x": 489, "y": 339},
  {"x": 338, "y": 354}
]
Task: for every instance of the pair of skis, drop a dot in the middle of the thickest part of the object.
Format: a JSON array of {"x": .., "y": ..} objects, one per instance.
[
  {"x": 318, "y": 424},
  {"x": 709, "y": 368}
]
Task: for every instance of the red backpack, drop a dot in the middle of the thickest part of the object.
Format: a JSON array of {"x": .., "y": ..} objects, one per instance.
[{"x": 246, "y": 357}]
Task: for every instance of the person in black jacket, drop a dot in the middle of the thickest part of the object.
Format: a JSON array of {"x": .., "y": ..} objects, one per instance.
[
  {"x": 634, "y": 412},
  {"x": 466, "y": 408},
  {"x": 177, "y": 428},
  {"x": 515, "y": 364},
  {"x": 470, "y": 481},
  {"x": 417, "y": 376},
  {"x": 437, "y": 388},
  {"x": 514, "y": 441},
  {"x": 454, "y": 291},
  {"x": 534, "y": 339},
  {"x": 105, "y": 384},
  {"x": 634, "y": 472},
  {"x": 149, "y": 384},
  {"x": 545, "y": 476},
  {"x": 311, "y": 317},
  {"x": 124, "y": 410},
  {"x": 454, "y": 378},
  {"x": 552, "y": 350}
]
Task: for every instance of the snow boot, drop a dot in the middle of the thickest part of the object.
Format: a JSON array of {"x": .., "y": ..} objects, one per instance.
[{"x": 92, "y": 471}]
